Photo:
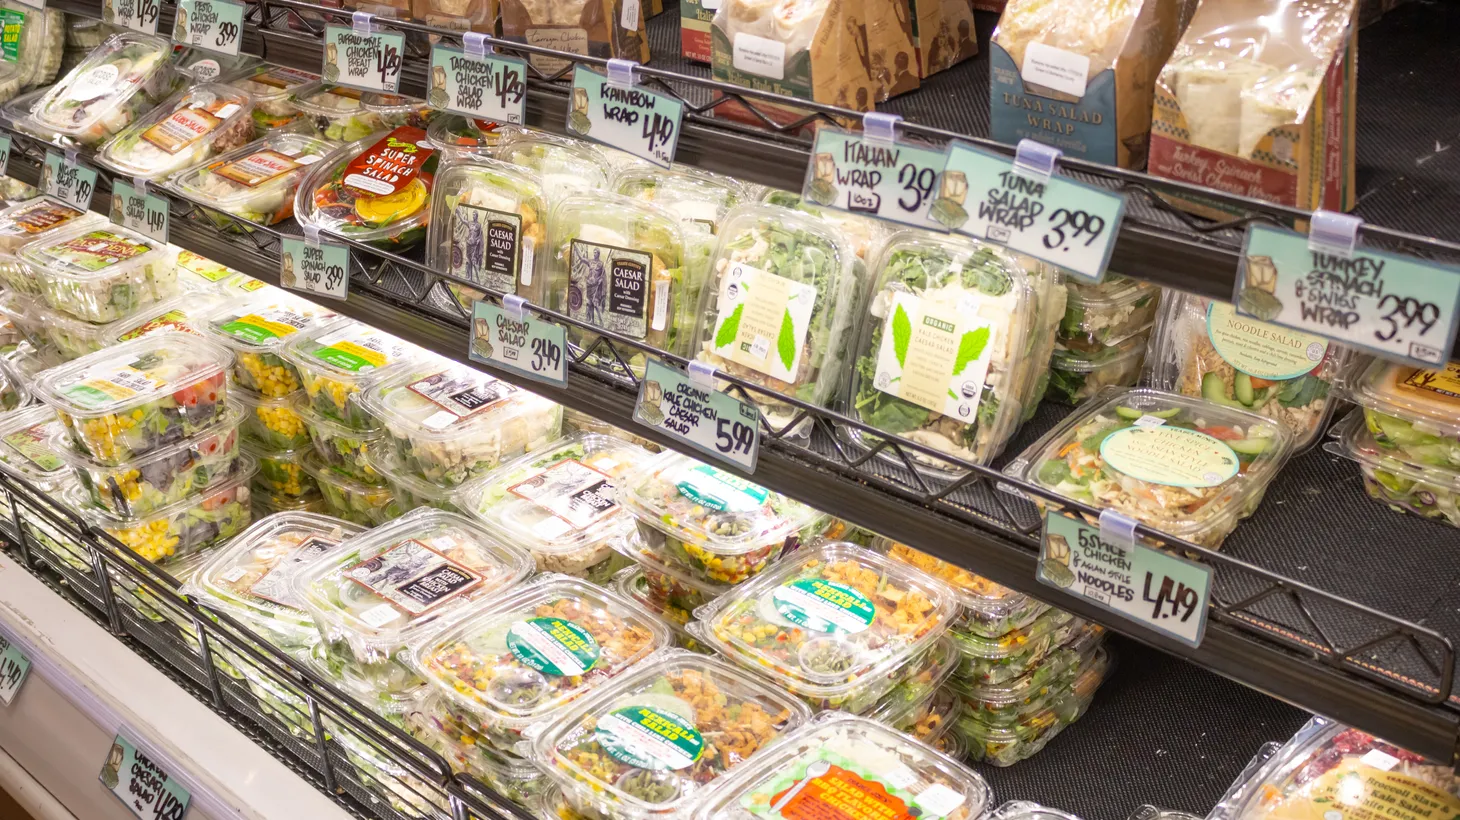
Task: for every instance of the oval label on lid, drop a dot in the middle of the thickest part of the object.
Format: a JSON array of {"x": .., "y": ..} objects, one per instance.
[
  {"x": 824, "y": 606},
  {"x": 647, "y": 737},
  {"x": 1259, "y": 349},
  {"x": 1173, "y": 456},
  {"x": 721, "y": 491},
  {"x": 553, "y": 646}
]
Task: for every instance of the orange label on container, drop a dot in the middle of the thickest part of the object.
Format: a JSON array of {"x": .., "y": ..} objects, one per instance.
[
  {"x": 185, "y": 127},
  {"x": 283, "y": 78},
  {"x": 257, "y": 168},
  {"x": 43, "y": 216},
  {"x": 389, "y": 165},
  {"x": 841, "y": 794}
]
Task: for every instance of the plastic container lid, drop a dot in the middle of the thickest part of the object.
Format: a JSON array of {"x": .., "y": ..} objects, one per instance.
[
  {"x": 1030, "y": 692},
  {"x": 1075, "y": 361},
  {"x": 631, "y": 583},
  {"x": 86, "y": 253},
  {"x": 348, "y": 497},
  {"x": 632, "y": 546},
  {"x": 398, "y": 109},
  {"x": 13, "y": 390},
  {"x": 929, "y": 674},
  {"x": 1185, "y": 466},
  {"x": 103, "y": 83},
  {"x": 38, "y": 49},
  {"x": 827, "y": 621},
  {"x": 1425, "y": 490},
  {"x": 698, "y": 197},
  {"x": 335, "y": 111},
  {"x": 460, "y": 137},
  {"x": 989, "y": 609},
  {"x": 265, "y": 324},
  {"x": 256, "y": 181},
  {"x": 1026, "y": 810},
  {"x": 379, "y": 589},
  {"x": 489, "y": 227},
  {"x": 348, "y": 352},
  {"x": 270, "y": 83},
  {"x": 26, "y": 450},
  {"x": 202, "y": 65},
  {"x": 410, "y": 490},
  {"x": 838, "y": 758},
  {"x": 119, "y": 379},
  {"x": 1014, "y": 641},
  {"x": 1106, "y": 313},
  {"x": 564, "y": 168},
  {"x": 76, "y": 338},
  {"x": 348, "y": 194},
  {"x": 26, "y": 221},
  {"x": 649, "y": 744},
  {"x": 1427, "y": 399}
]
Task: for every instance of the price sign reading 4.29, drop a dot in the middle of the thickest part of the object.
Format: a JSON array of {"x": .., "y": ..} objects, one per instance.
[
  {"x": 883, "y": 178},
  {"x": 521, "y": 344},
  {"x": 700, "y": 416},
  {"x": 14, "y": 666},
  {"x": 215, "y": 25},
  {"x": 488, "y": 86},
  {"x": 315, "y": 267},
  {"x": 141, "y": 784},
  {"x": 145, "y": 213},
  {"x": 137, "y": 15},
  {"x": 371, "y": 61},
  {"x": 1151, "y": 587},
  {"x": 68, "y": 180}
]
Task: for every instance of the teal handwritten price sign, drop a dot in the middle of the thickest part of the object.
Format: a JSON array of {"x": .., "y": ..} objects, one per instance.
[
  {"x": 1146, "y": 585},
  {"x": 624, "y": 116},
  {"x": 371, "y": 61},
  {"x": 137, "y": 15},
  {"x": 14, "y": 667},
  {"x": 1393, "y": 305},
  {"x": 4, "y": 154},
  {"x": 142, "y": 211},
  {"x": 519, "y": 343},
  {"x": 879, "y": 177},
  {"x": 315, "y": 267},
  {"x": 712, "y": 422},
  {"x": 216, "y": 25},
  {"x": 1053, "y": 218},
  {"x": 141, "y": 784},
  {"x": 68, "y": 180},
  {"x": 488, "y": 86}
]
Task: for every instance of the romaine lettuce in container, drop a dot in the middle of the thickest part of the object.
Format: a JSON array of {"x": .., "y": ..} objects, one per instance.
[
  {"x": 565, "y": 166},
  {"x": 126, "y": 75},
  {"x": 334, "y": 112},
  {"x": 100, "y": 273},
  {"x": 375, "y": 190},
  {"x": 255, "y": 182},
  {"x": 490, "y": 227},
  {"x": 1413, "y": 412}
]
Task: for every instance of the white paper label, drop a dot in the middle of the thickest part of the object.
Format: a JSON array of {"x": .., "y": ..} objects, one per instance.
[
  {"x": 379, "y": 615},
  {"x": 630, "y": 18},
  {"x": 1063, "y": 71},
  {"x": 763, "y": 320},
  {"x": 935, "y": 353},
  {"x": 1149, "y": 421},
  {"x": 761, "y": 56},
  {"x": 938, "y": 800},
  {"x": 1376, "y": 759}
]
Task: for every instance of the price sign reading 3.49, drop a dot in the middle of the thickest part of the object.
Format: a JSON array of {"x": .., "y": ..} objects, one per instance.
[
  {"x": 216, "y": 25},
  {"x": 322, "y": 267},
  {"x": 521, "y": 344},
  {"x": 883, "y": 178},
  {"x": 700, "y": 416}
]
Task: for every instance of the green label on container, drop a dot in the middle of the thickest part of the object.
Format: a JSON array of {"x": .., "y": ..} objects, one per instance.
[
  {"x": 33, "y": 445},
  {"x": 824, "y": 606},
  {"x": 720, "y": 491},
  {"x": 553, "y": 646},
  {"x": 12, "y": 23},
  {"x": 267, "y": 324},
  {"x": 647, "y": 737}
]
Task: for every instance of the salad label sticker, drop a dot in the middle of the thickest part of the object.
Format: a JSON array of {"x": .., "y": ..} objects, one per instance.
[
  {"x": 763, "y": 320},
  {"x": 630, "y": 118},
  {"x": 1056, "y": 220},
  {"x": 111, "y": 382},
  {"x": 137, "y": 15},
  {"x": 1390, "y": 304},
  {"x": 42, "y": 215},
  {"x": 215, "y": 25},
  {"x": 1444, "y": 383},
  {"x": 830, "y": 785},
  {"x": 824, "y": 606},
  {"x": 1162, "y": 591},
  {"x": 491, "y": 87},
  {"x": 277, "y": 584},
  {"x": 204, "y": 267},
  {"x": 96, "y": 83},
  {"x": 648, "y": 737},
  {"x": 283, "y": 78},
  {"x": 1356, "y": 790},
  {"x": 1259, "y": 349},
  {"x": 460, "y": 395},
  {"x": 5, "y": 144},
  {"x": 322, "y": 268},
  {"x": 181, "y": 129},
  {"x": 553, "y": 646},
  {"x": 355, "y": 349},
  {"x": 68, "y": 181},
  {"x": 369, "y": 61},
  {"x": 572, "y": 492},
  {"x": 273, "y": 322},
  {"x": 889, "y": 180},
  {"x": 146, "y": 214},
  {"x": 486, "y": 247},
  {"x": 14, "y": 667},
  {"x": 712, "y": 487},
  {"x": 141, "y": 784},
  {"x": 390, "y": 165},
  {"x": 171, "y": 320},
  {"x": 414, "y": 578},
  {"x": 1173, "y": 456},
  {"x": 33, "y": 444},
  {"x": 702, "y": 417},
  {"x": 935, "y": 353},
  {"x": 527, "y": 346},
  {"x": 96, "y": 250},
  {"x": 12, "y": 23},
  {"x": 609, "y": 287},
  {"x": 257, "y": 168},
  {"x": 203, "y": 70}
]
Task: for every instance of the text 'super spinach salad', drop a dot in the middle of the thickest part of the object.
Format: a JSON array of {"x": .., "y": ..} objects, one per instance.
[{"x": 375, "y": 190}]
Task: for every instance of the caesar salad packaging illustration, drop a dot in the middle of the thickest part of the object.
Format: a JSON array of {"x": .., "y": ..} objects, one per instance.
[
  {"x": 338, "y": 362},
  {"x": 100, "y": 272},
  {"x": 122, "y": 78},
  {"x": 344, "y": 496},
  {"x": 29, "y": 221},
  {"x": 1075, "y": 377},
  {"x": 652, "y": 743},
  {"x": 490, "y": 227},
  {"x": 1078, "y": 75},
  {"x": 1425, "y": 490},
  {"x": 257, "y": 181},
  {"x": 776, "y": 308},
  {"x": 1205, "y": 348},
  {"x": 375, "y": 190},
  {"x": 256, "y": 330},
  {"x": 1258, "y": 100},
  {"x": 272, "y": 88},
  {"x": 1183, "y": 465},
  {"x": 1412, "y": 412},
  {"x": 1001, "y": 745},
  {"x": 334, "y": 112},
  {"x": 700, "y": 198},
  {"x": 36, "y": 57},
  {"x": 592, "y": 28},
  {"x": 459, "y": 138},
  {"x": 564, "y": 166}
]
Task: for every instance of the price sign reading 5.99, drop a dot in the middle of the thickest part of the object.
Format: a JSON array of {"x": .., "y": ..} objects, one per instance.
[
  {"x": 892, "y": 180},
  {"x": 702, "y": 417},
  {"x": 322, "y": 267}
]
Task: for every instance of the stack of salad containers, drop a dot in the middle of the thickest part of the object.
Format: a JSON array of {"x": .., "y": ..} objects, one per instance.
[
  {"x": 36, "y": 54},
  {"x": 203, "y": 122},
  {"x": 1101, "y": 339},
  {"x": 256, "y": 182},
  {"x": 26, "y": 437},
  {"x": 272, "y": 89},
  {"x": 125, "y": 76},
  {"x": 99, "y": 273},
  {"x": 29, "y": 221},
  {"x": 489, "y": 226},
  {"x": 72, "y": 338}
]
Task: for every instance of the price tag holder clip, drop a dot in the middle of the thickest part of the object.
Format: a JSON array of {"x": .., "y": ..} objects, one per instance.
[
  {"x": 362, "y": 22},
  {"x": 1036, "y": 160},
  {"x": 1335, "y": 233},
  {"x": 475, "y": 44}
]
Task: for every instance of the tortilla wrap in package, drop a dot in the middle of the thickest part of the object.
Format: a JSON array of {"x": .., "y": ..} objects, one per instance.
[{"x": 588, "y": 27}]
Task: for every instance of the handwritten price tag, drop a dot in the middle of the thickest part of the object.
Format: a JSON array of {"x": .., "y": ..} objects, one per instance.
[
  {"x": 68, "y": 181},
  {"x": 141, "y": 784},
  {"x": 891, "y": 180},
  {"x": 137, "y": 15},
  {"x": 4, "y": 154},
  {"x": 323, "y": 268},
  {"x": 702, "y": 417},
  {"x": 1151, "y": 587},
  {"x": 369, "y": 61},
  {"x": 14, "y": 667},
  {"x": 216, "y": 25},
  {"x": 491, "y": 87},
  {"x": 144, "y": 213},
  {"x": 627, "y": 117},
  {"x": 1056, "y": 220},
  {"x": 1393, "y": 305},
  {"x": 526, "y": 346}
]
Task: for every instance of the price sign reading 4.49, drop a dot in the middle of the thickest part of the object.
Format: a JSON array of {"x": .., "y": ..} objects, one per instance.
[
  {"x": 371, "y": 61},
  {"x": 316, "y": 267},
  {"x": 137, "y": 15},
  {"x": 145, "y": 213},
  {"x": 1151, "y": 587},
  {"x": 68, "y": 180},
  {"x": 883, "y": 178},
  {"x": 700, "y": 416},
  {"x": 215, "y": 25},
  {"x": 141, "y": 784},
  {"x": 14, "y": 666},
  {"x": 628, "y": 117},
  {"x": 521, "y": 344}
]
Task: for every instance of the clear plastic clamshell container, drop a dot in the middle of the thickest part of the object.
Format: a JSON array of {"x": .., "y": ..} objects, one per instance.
[
  {"x": 837, "y": 759},
  {"x": 345, "y": 497},
  {"x": 1424, "y": 490},
  {"x": 282, "y": 473},
  {"x": 460, "y": 138},
  {"x": 338, "y": 362},
  {"x": 777, "y": 306},
  {"x": 26, "y": 222},
  {"x": 1016, "y": 653},
  {"x": 272, "y": 88},
  {"x": 1412, "y": 412},
  {"x": 411, "y": 491},
  {"x": 256, "y": 330},
  {"x": 1074, "y": 376},
  {"x": 395, "y": 110},
  {"x": 345, "y": 450},
  {"x": 1044, "y": 687},
  {"x": 449, "y": 423},
  {"x": 999, "y": 745},
  {"x": 836, "y": 625},
  {"x": 266, "y": 504},
  {"x": 630, "y": 583},
  {"x": 652, "y": 743},
  {"x": 700, "y": 198},
  {"x": 565, "y": 167},
  {"x": 453, "y": 735},
  {"x": 334, "y": 112},
  {"x": 205, "y": 121},
  {"x": 100, "y": 273},
  {"x": 984, "y": 306},
  {"x": 669, "y": 589},
  {"x": 1185, "y": 466},
  {"x": 1099, "y": 316},
  {"x": 905, "y": 704},
  {"x": 37, "y": 50},
  {"x": 255, "y": 182},
  {"x": 718, "y": 527},
  {"x": 201, "y": 65},
  {"x": 26, "y": 449},
  {"x": 561, "y": 503},
  {"x": 375, "y": 190},
  {"x": 989, "y": 609},
  {"x": 126, "y": 75},
  {"x": 514, "y": 664},
  {"x": 123, "y": 402},
  {"x": 73, "y": 338},
  {"x": 272, "y": 424},
  {"x": 489, "y": 227}
]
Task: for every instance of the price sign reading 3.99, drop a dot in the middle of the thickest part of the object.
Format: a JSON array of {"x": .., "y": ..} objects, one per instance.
[
  {"x": 322, "y": 267},
  {"x": 216, "y": 25},
  {"x": 883, "y": 178}
]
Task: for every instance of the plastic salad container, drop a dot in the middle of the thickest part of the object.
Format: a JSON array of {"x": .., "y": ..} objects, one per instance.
[
  {"x": 698, "y": 197},
  {"x": 281, "y": 472},
  {"x": 1188, "y": 467},
  {"x": 123, "y": 402},
  {"x": 186, "y": 526},
  {"x": 272, "y": 88},
  {"x": 778, "y": 303},
  {"x": 37, "y": 54},
  {"x": 489, "y": 228},
  {"x": 1016, "y": 653},
  {"x": 630, "y": 583},
  {"x": 449, "y": 423},
  {"x": 266, "y": 504},
  {"x": 718, "y": 527},
  {"x": 989, "y": 297},
  {"x": 447, "y": 733},
  {"x": 1427, "y": 491},
  {"x": 1412, "y": 412},
  {"x": 395, "y": 110},
  {"x": 1203, "y": 348},
  {"x": 375, "y": 190},
  {"x": 905, "y": 704},
  {"x": 516, "y": 663},
  {"x": 1049, "y": 683},
  {"x": 73, "y": 338},
  {"x": 29, "y": 221},
  {"x": 1075, "y": 376},
  {"x": 334, "y": 112},
  {"x": 836, "y": 625},
  {"x": 411, "y": 491},
  {"x": 127, "y": 74},
  {"x": 1098, "y": 316},
  {"x": 1027, "y": 810},
  {"x": 256, "y": 330},
  {"x": 670, "y": 590},
  {"x": 932, "y": 720},
  {"x": 200, "y": 65},
  {"x": 650, "y": 744},
  {"x": 26, "y": 450},
  {"x": 13, "y": 390},
  {"x": 100, "y": 273},
  {"x": 205, "y": 121},
  {"x": 256, "y": 182},
  {"x": 345, "y": 497},
  {"x": 271, "y": 424},
  {"x": 345, "y": 450},
  {"x": 164, "y": 476},
  {"x": 1049, "y": 308},
  {"x": 989, "y": 609},
  {"x": 840, "y": 758},
  {"x": 459, "y": 138},
  {"x": 565, "y": 168},
  {"x": 1007, "y": 745},
  {"x": 338, "y": 362}
]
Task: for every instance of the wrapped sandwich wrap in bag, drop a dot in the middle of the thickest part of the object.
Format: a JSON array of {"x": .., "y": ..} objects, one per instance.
[
  {"x": 1078, "y": 74},
  {"x": 694, "y": 28},
  {"x": 892, "y": 54},
  {"x": 459, "y": 15},
  {"x": 945, "y": 34},
  {"x": 589, "y": 27},
  {"x": 1258, "y": 99}
]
